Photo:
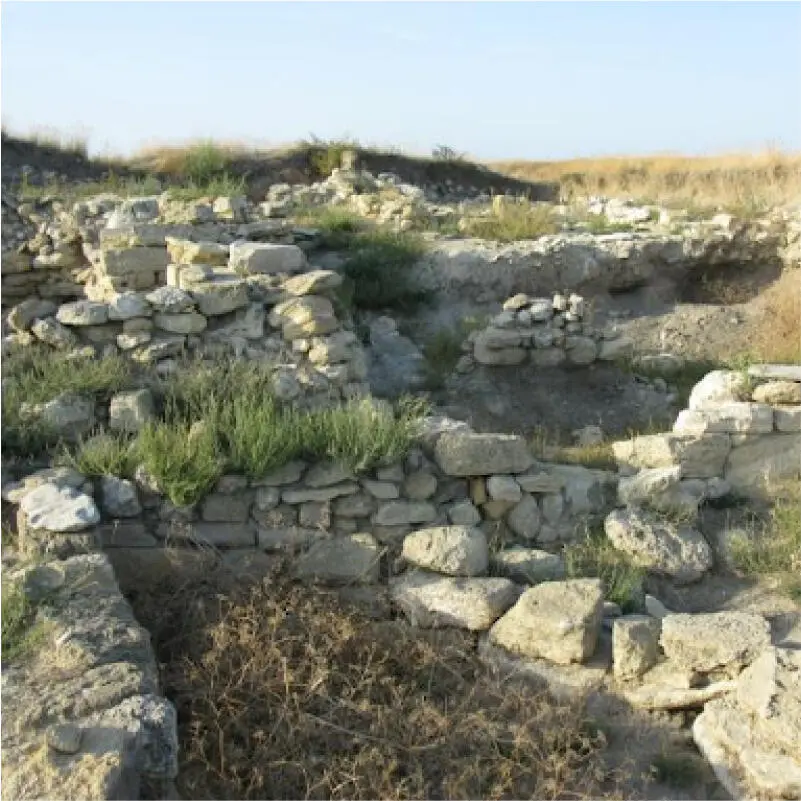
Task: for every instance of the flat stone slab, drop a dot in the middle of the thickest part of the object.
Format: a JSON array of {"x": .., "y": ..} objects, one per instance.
[
  {"x": 453, "y": 550},
  {"x": 433, "y": 601},
  {"x": 780, "y": 372}
]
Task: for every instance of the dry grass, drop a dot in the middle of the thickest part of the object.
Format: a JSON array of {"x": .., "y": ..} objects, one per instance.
[
  {"x": 739, "y": 181},
  {"x": 283, "y": 694},
  {"x": 778, "y": 337}
]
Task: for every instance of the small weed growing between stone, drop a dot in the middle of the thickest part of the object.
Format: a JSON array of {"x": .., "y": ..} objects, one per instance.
[
  {"x": 101, "y": 455},
  {"x": 21, "y": 632},
  {"x": 596, "y": 557}
]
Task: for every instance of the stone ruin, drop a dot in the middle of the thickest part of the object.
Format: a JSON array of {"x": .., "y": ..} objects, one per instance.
[
  {"x": 465, "y": 532},
  {"x": 544, "y": 332}
]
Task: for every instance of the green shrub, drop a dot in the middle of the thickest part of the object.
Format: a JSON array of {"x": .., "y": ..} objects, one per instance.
[
  {"x": 325, "y": 156},
  {"x": 203, "y": 163},
  {"x": 257, "y": 435},
  {"x": 379, "y": 266},
  {"x": 184, "y": 459},
  {"x": 218, "y": 186},
  {"x": 34, "y": 375},
  {"x": 445, "y": 153},
  {"x": 596, "y": 557},
  {"x": 513, "y": 222},
  {"x": 599, "y": 224},
  {"x": 362, "y": 434},
  {"x": 102, "y": 455},
  {"x": 337, "y": 225}
]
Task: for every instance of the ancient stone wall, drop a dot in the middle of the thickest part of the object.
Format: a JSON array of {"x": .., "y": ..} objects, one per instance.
[
  {"x": 741, "y": 427},
  {"x": 544, "y": 332}
]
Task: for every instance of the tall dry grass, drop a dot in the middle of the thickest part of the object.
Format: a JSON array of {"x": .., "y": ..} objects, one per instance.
[{"x": 766, "y": 179}]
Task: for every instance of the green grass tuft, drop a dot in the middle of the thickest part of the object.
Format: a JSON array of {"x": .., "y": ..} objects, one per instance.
[
  {"x": 184, "y": 459},
  {"x": 774, "y": 549},
  {"x": 512, "y": 222},
  {"x": 102, "y": 455},
  {"x": 596, "y": 557},
  {"x": 21, "y": 631}
]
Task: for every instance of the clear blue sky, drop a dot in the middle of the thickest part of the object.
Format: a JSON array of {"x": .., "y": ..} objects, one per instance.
[{"x": 498, "y": 80}]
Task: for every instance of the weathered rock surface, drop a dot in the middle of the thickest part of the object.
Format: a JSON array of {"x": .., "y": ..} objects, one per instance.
[
  {"x": 453, "y": 550},
  {"x": 714, "y": 641},
  {"x": 344, "y": 560},
  {"x": 59, "y": 509},
  {"x": 751, "y": 737},
  {"x": 659, "y": 545},
  {"x": 468, "y": 454},
  {"x": 433, "y": 601},
  {"x": 556, "y": 620}
]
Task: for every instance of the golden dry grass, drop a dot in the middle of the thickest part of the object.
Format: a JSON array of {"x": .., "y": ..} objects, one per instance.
[
  {"x": 770, "y": 178},
  {"x": 282, "y": 693},
  {"x": 778, "y": 336}
]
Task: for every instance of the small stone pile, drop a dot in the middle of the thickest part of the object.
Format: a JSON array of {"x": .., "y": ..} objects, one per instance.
[{"x": 544, "y": 332}]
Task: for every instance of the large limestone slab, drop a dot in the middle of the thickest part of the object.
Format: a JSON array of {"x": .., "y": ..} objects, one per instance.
[
  {"x": 699, "y": 456},
  {"x": 453, "y": 550},
  {"x": 528, "y": 565},
  {"x": 254, "y": 258},
  {"x": 220, "y": 295},
  {"x": 755, "y": 466},
  {"x": 659, "y": 544},
  {"x": 83, "y": 312},
  {"x": 468, "y": 454},
  {"x": 122, "y": 261},
  {"x": 433, "y": 601},
  {"x": 778, "y": 392},
  {"x": 556, "y": 620},
  {"x": 714, "y": 641},
  {"x": 184, "y": 251},
  {"x": 778, "y": 372}
]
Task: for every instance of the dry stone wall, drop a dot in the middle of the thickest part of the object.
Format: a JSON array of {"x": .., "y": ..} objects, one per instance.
[
  {"x": 458, "y": 479},
  {"x": 741, "y": 428},
  {"x": 544, "y": 332},
  {"x": 85, "y": 718}
]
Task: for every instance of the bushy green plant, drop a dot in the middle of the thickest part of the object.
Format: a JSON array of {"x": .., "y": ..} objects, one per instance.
[
  {"x": 362, "y": 434},
  {"x": 203, "y": 162},
  {"x": 185, "y": 460},
  {"x": 34, "y": 375},
  {"x": 379, "y": 265},
  {"x": 102, "y": 455}
]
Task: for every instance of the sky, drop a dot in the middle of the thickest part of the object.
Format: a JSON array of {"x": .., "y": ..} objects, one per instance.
[{"x": 496, "y": 80}]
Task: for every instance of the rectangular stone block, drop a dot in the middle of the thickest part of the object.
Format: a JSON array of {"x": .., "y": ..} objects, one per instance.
[
  {"x": 726, "y": 418},
  {"x": 220, "y": 535},
  {"x": 118, "y": 262}
]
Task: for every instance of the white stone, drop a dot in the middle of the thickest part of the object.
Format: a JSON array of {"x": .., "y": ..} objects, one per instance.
[
  {"x": 59, "y": 509},
  {"x": 719, "y": 386},
  {"x": 556, "y": 620},
  {"x": 453, "y": 550}
]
